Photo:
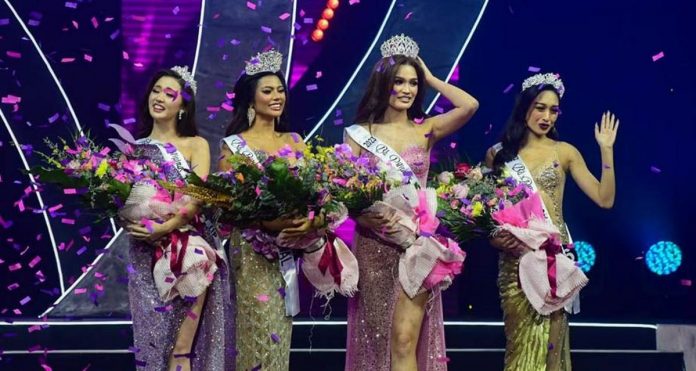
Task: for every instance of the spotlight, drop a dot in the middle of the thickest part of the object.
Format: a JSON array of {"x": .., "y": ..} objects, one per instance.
[
  {"x": 317, "y": 35},
  {"x": 586, "y": 255},
  {"x": 328, "y": 14},
  {"x": 332, "y": 4},
  {"x": 663, "y": 258}
]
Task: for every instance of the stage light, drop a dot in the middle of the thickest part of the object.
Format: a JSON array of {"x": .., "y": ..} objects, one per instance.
[
  {"x": 663, "y": 258},
  {"x": 323, "y": 24},
  {"x": 333, "y": 4},
  {"x": 328, "y": 14},
  {"x": 586, "y": 255},
  {"x": 317, "y": 35}
]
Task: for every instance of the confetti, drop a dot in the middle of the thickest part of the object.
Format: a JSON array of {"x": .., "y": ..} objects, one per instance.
[
  {"x": 25, "y": 300},
  {"x": 262, "y": 298},
  {"x": 275, "y": 337},
  {"x": 533, "y": 69},
  {"x": 69, "y": 4},
  {"x": 68, "y": 221},
  {"x": 4, "y": 21},
  {"x": 509, "y": 87},
  {"x": 251, "y": 5},
  {"x": 685, "y": 283},
  {"x": 80, "y": 291},
  {"x": 312, "y": 87},
  {"x": 176, "y": 10},
  {"x": 34, "y": 261},
  {"x": 87, "y": 57},
  {"x": 266, "y": 29},
  {"x": 95, "y": 23},
  {"x": 13, "y": 54},
  {"x": 658, "y": 56},
  {"x": 655, "y": 169},
  {"x": 453, "y": 145},
  {"x": 408, "y": 15},
  {"x": 284, "y": 16},
  {"x": 14, "y": 267}
]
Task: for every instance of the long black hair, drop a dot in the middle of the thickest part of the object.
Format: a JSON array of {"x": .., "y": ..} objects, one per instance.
[
  {"x": 375, "y": 101},
  {"x": 244, "y": 93},
  {"x": 186, "y": 126},
  {"x": 515, "y": 132}
]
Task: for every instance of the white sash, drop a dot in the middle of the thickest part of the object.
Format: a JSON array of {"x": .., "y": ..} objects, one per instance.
[
  {"x": 176, "y": 157},
  {"x": 521, "y": 173},
  {"x": 380, "y": 149},
  {"x": 288, "y": 266},
  {"x": 237, "y": 144}
]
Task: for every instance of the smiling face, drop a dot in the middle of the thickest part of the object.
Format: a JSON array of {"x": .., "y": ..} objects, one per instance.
[
  {"x": 165, "y": 100},
  {"x": 404, "y": 89},
  {"x": 269, "y": 98},
  {"x": 543, "y": 113}
]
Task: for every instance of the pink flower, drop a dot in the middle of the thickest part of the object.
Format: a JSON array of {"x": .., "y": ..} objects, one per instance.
[{"x": 460, "y": 191}]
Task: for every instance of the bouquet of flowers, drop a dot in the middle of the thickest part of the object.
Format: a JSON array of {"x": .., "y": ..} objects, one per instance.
[
  {"x": 102, "y": 178},
  {"x": 468, "y": 199}
]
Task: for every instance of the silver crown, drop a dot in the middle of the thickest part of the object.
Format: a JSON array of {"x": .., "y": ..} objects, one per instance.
[
  {"x": 268, "y": 61},
  {"x": 399, "y": 45},
  {"x": 545, "y": 79},
  {"x": 186, "y": 75}
]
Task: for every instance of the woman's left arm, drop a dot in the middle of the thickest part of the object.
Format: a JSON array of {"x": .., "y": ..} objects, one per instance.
[
  {"x": 447, "y": 123},
  {"x": 602, "y": 192}
]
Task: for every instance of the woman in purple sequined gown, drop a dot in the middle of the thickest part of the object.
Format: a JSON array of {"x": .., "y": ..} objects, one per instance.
[
  {"x": 387, "y": 330},
  {"x": 180, "y": 334}
]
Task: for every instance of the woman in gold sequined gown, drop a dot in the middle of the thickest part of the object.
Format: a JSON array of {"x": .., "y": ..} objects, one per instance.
[
  {"x": 536, "y": 342},
  {"x": 387, "y": 330},
  {"x": 263, "y": 329}
]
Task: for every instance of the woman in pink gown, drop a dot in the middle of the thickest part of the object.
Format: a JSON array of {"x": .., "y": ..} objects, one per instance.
[{"x": 387, "y": 330}]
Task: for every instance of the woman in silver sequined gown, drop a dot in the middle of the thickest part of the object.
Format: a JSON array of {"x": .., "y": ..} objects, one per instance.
[
  {"x": 181, "y": 334},
  {"x": 535, "y": 342},
  {"x": 386, "y": 329}
]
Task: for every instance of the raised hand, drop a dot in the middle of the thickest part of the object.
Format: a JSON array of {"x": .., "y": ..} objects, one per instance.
[{"x": 605, "y": 132}]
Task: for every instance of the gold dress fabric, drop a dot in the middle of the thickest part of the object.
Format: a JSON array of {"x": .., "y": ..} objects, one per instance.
[
  {"x": 535, "y": 342},
  {"x": 263, "y": 329}
]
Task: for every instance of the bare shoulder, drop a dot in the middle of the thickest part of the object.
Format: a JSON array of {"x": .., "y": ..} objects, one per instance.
[
  {"x": 294, "y": 139},
  {"x": 198, "y": 142},
  {"x": 568, "y": 154}
]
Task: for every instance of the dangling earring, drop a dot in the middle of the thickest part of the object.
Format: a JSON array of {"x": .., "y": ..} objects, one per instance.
[
  {"x": 181, "y": 114},
  {"x": 251, "y": 115}
]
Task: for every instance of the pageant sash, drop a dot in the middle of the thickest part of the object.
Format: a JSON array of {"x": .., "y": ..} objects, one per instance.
[
  {"x": 380, "y": 149},
  {"x": 288, "y": 266},
  {"x": 521, "y": 173},
  {"x": 237, "y": 144}
]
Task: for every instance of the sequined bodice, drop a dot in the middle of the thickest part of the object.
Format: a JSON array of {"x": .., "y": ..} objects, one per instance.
[
  {"x": 418, "y": 158},
  {"x": 550, "y": 179}
]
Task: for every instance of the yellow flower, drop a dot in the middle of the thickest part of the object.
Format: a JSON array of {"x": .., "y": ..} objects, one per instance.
[
  {"x": 477, "y": 208},
  {"x": 240, "y": 177},
  {"x": 103, "y": 167}
]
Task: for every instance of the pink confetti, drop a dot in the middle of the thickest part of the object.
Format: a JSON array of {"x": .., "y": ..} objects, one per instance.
[
  {"x": 13, "y": 54},
  {"x": 509, "y": 87},
  {"x": 311, "y": 215},
  {"x": 658, "y": 56},
  {"x": 284, "y": 16},
  {"x": 262, "y": 298},
  {"x": 14, "y": 267},
  {"x": 87, "y": 57},
  {"x": 453, "y": 145},
  {"x": 227, "y": 107},
  {"x": 176, "y": 10},
  {"x": 95, "y": 23},
  {"x": 213, "y": 109},
  {"x": 34, "y": 328},
  {"x": 69, "y": 4},
  {"x": 533, "y": 69},
  {"x": 25, "y": 300},
  {"x": 312, "y": 87},
  {"x": 408, "y": 16},
  {"x": 318, "y": 75},
  {"x": 353, "y": 2},
  {"x": 251, "y": 5},
  {"x": 266, "y": 29},
  {"x": 11, "y": 99},
  {"x": 80, "y": 291},
  {"x": 70, "y": 191},
  {"x": 125, "y": 55},
  {"x": 13, "y": 286},
  {"x": 68, "y": 221},
  {"x": 191, "y": 315},
  {"x": 55, "y": 208},
  {"x": 76, "y": 25},
  {"x": 34, "y": 261},
  {"x": 419, "y": 120},
  {"x": 685, "y": 283}
]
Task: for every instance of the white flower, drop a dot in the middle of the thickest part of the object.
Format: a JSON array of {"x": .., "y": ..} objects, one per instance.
[
  {"x": 445, "y": 177},
  {"x": 460, "y": 191},
  {"x": 475, "y": 174}
]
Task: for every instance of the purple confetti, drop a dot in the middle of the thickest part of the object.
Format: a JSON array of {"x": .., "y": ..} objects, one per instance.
[
  {"x": 4, "y": 21},
  {"x": 25, "y": 300},
  {"x": 266, "y": 29},
  {"x": 533, "y": 69},
  {"x": 509, "y": 87},
  {"x": 312, "y": 87},
  {"x": 275, "y": 337},
  {"x": 655, "y": 169},
  {"x": 70, "y": 4}
]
